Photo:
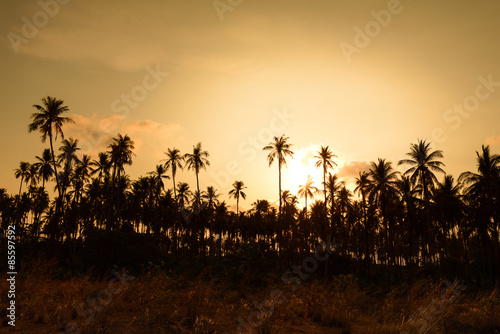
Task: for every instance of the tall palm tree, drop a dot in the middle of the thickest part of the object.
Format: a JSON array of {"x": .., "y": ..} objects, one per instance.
[
  {"x": 362, "y": 187},
  {"x": 173, "y": 161},
  {"x": 158, "y": 175},
  {"x": 482, "y": 190},
  {"x": 45, "y": 170},
  {"x": 382, "y": 190},
  {"x": 236, "y": 192},
  {"x": 183, "y": 193},
  {"x": 196, "y": 161},
  {"x": 211, "y": 196},
  {"x": 325, "y": 159},
  {"x": 22, "y": 172},
  {"x": 121, "y": 152},
  {"x": 307, "y": 190},
  {"x": 101, "y": 166},
  {"x": 423, "y": 163},
  {"x": 279, "y": 149},
  {"x": 49, "y": 122}
]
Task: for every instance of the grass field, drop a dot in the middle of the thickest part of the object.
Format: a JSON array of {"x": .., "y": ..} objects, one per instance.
[{"x": 157, "y": 301}]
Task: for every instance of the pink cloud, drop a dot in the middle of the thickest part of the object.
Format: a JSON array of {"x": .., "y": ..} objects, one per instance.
[{"x": 493, "y": 140}]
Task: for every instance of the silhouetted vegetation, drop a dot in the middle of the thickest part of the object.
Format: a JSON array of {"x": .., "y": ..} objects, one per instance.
[{"x": 422, "y": 223}]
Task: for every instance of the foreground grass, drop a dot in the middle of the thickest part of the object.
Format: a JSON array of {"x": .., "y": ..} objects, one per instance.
[{"x": 157, "y": 302}]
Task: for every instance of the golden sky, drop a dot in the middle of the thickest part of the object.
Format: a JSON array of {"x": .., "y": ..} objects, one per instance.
[{"x": 366, "y": 78}]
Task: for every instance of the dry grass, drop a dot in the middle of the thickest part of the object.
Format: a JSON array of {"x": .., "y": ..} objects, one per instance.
[{"x": 162, "y": 304}]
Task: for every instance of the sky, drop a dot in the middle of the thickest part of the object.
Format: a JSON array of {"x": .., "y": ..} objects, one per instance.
[{"x": 366, "y": 78}]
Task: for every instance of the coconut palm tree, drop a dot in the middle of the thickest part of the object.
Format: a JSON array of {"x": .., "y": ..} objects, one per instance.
[
  {"x": 121, "y": 152},
  {"x": 183, "y": 193},
  {"x": 307, "y": 190},
  {"x": 49, "y": 122},
  {"x": 44, "y": 166},
  {"x": 22, "y": 172},
  {"x": 382, "y": 190},
  {"x": 158, "y": 175},
  {"x": 236, "y": 192},
  {"x": 211, "y": 196},
  {"x": 196, "y": 161},
  {"x": 101, "y": 166},
  {"x": 279, "y": 149},
  {"x": 325, "y": 159},
  {"x": 481, "y": 189},
  {"x": 174, "y": 160},
  {"x": 423, "y": 163}
]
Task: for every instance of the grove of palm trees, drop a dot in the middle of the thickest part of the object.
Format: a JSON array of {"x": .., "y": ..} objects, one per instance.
[{"x": 394, "y": 229}]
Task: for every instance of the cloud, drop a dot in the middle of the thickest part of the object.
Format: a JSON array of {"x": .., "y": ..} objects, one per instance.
[
  {"x": 352, "y": 169},
  {"x": 493, "y": 140},
  {"x": 96, "y": 132}
]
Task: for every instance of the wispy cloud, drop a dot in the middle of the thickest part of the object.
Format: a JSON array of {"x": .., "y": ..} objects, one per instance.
[
  {"x": 95, "y": 133},
  {"x": 493, "y": 140},
  {"x": 352, "y": 168}
]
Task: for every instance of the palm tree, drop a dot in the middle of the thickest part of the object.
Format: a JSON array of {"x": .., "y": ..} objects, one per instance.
[
  {"x": 158, "y": 175},
  {"x": 173, "y": 161},
  {"x": 280, "y": 149},
  {"x": 382, "y": 189},
  {"x": 423, "y": 165},
  {"x": 121, "y": 152},
  {"x": 211, "y": 196},
  {"x": 101, "y": 166},
  {"x": 482, "y": 190},
  {"x": 362, "y": 187},
  {"x": 307, "y": 190},
  {"x": 49, "y": 122},
  {"x": 45, "y": 170},
  {"x": 325, "y": 159},
  {"x": 183, "y": 193},
  {"x": 196, "y": 161},
  {"x": 236, "y": 192},
  {"x": 22, "y": 172}
]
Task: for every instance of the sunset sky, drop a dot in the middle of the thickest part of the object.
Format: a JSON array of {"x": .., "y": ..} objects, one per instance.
[{"x": 367, "y": 78}]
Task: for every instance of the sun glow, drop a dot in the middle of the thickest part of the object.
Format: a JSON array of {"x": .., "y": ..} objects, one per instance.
[{"x": 302, "y": 165}]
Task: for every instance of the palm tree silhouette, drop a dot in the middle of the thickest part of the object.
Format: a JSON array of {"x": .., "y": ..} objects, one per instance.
[
  {"x": 382, "y": 189},
  {"x": 236, "y": 192},
  {"x": 325, "y": 159},
  {"x": 22, "y": 172},
  {"x": 44, "y": 166},
  {"x": 173, "y": 161},
  {"x": 196, "y": 161},
  {"x": 482, "y": 191},
  {"x": 307, "y": 190},
  {"x": 280, "y": 149},
  {"x": 101, "y": 166},
  {"x": 183, "y": 193},
  {"x": 49, "y": 122},
  {"x": 121, "y": 152},
  {"x": 423, "y": 165}
]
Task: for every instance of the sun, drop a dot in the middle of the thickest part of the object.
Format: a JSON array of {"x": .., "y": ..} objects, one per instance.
[{"x": 300, "y": 166}]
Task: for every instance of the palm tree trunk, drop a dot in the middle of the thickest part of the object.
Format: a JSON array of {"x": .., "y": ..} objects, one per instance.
[
  {"x": 20, "y": 187},
  {"x": 279, "y": 184},
  {"x": 237, "y": 205}
]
